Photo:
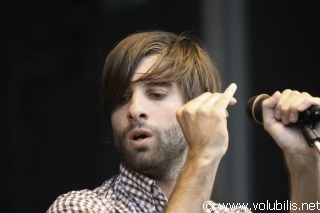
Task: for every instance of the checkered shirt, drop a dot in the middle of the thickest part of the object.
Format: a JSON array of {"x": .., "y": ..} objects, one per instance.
[{"x": 127, "y": 192}]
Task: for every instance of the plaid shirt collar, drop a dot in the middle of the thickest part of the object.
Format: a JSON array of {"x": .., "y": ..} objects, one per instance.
[{"x": 142, "y": 190}]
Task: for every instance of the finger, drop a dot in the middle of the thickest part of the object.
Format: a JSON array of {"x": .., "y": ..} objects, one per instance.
[
  {"x": 226, "y": 98},
  {"x": 211, "y": 101},
  {"x": 297, "y": 101},
  {"x": 292, "y": 103},
  {"x": 233, "y": 101},
  {"x": 198, "y": 101},
  {"x": 303, "y": 103},
  {"x": 209, "y": 105},
  {"x": 280, "y": 108},
  {"x": 191, "y": 107},
  {"x": 286, "y": 105},
  {"x": 309, "y": 101}
]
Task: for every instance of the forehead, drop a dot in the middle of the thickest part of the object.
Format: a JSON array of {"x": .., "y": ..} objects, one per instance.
[{"x": 144, "y": 65}]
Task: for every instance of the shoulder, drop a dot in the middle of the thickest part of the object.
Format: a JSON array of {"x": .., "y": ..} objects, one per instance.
[
  {"x": 83, "y": 200},
  {"x": 101, "y": 199}
]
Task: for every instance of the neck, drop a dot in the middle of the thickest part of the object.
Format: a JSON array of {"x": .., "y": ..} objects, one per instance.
[
  {"x": 167, "y": 184},
  {"x": 166, "y": 187}
]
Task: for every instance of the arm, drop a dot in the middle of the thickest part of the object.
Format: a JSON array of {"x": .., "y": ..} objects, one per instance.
[
  {"x": 280, "y": 112},
  {"x": 204, "y": 124}
]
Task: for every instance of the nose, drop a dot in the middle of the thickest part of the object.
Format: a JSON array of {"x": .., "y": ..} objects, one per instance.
[{"x": 137, "y": 109}]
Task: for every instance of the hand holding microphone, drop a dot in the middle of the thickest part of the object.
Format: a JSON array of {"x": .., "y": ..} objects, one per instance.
[
  {"x": 281, "y": 115},
  {"x": 254, "y": 111},
  {"x": 307, "y": 119}
]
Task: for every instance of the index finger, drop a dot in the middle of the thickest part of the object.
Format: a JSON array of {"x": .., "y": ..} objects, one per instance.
[{"x": 227, "y": 96}]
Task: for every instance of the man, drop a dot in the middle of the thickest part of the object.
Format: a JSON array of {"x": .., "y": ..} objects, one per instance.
[{"x": 161, "y": 96}]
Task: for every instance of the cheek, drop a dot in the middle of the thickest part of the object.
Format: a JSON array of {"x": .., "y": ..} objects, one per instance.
[
  {"x": 168, "y": 117},
  {"x": 117, "y": 119}
]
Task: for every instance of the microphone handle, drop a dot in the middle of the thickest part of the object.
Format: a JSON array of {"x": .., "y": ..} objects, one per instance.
[{"x": 311, "y": 135}]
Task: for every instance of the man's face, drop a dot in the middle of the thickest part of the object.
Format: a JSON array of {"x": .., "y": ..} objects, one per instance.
[{"x": 146, "y": 132}]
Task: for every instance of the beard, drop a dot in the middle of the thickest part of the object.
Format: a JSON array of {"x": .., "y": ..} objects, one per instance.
[{"x": 161, "y": 160}]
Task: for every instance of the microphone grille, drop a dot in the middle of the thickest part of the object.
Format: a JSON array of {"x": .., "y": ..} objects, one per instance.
[{"x": 254, "y": 109}]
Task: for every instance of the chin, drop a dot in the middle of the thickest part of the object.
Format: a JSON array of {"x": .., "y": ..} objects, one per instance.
[{"x": 142, "y": 161}]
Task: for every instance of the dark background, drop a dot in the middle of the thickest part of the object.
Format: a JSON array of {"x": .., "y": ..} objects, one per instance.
[
  {"x": 53, "y": 54},
  {"x": 284, "y": 54}
]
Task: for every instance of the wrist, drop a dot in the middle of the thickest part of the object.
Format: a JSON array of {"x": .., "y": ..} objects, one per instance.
[
  {"x": 204, "y": 159},
  {"x": 302, "y": 166}
]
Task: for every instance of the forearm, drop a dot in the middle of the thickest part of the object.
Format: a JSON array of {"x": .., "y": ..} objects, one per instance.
[
  {"x": 203, "y": 121},
  {"x": 194, "y": 186},
  {"x": 281, "y": 114},
  {"x": 305, "y": 184}
]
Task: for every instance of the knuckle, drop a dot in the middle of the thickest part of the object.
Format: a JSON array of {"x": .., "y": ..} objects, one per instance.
[
  {"x": 296, "y": 92},
  {"x": 292, "y": 108},
  {"x": 284, "y": 108},
  {"x": 202, "y": 111},
  {"x": 286, "y": 91},
  {"x": 305, "y": 94},
  {"x": 307, "y": 100},
  {"x": 186, "y": 111},
  {"x": 207, "y": 93}
]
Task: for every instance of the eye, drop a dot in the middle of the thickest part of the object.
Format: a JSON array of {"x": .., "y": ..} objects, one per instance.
[
  {"x": 124, "y": 99},
  {"x": 157, "y": 95}
]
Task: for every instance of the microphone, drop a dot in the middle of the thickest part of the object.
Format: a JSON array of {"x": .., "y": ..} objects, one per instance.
[
  {"x": 254, "y": 111},
  {"x": 307, "y": 119}
]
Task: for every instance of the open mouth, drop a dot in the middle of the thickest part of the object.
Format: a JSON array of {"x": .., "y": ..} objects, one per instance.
[{"x": 139, "y": 137}]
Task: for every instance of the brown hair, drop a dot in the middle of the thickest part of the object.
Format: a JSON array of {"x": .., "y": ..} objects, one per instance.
[{"x": 182, "y": 59}]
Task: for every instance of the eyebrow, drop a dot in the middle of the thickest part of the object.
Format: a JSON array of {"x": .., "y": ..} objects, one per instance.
[{"x": 160, "y": 84}]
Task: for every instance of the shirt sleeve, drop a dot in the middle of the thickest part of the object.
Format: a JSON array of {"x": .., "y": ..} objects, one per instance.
[{"x": 80, "y": 201}]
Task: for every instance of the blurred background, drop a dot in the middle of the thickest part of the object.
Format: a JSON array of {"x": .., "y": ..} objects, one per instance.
[{"x": 53, "y": 55}]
